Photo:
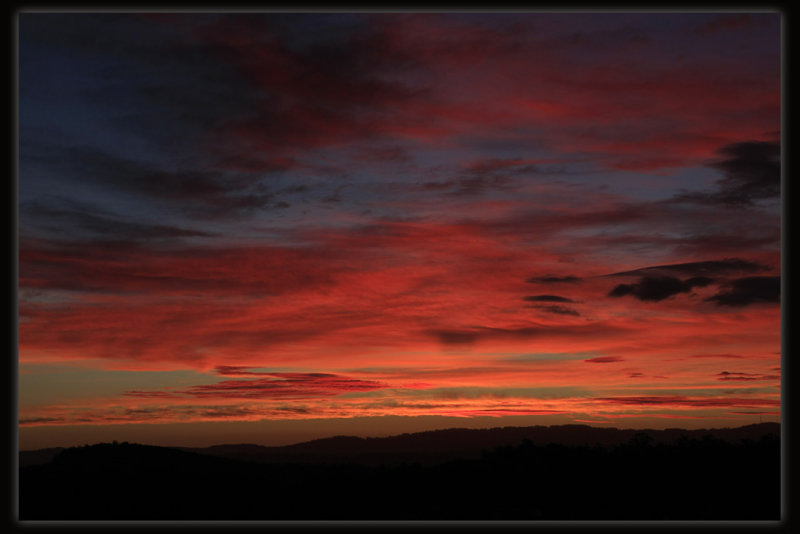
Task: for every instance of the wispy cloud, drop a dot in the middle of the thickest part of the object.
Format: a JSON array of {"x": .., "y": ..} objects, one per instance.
[{"x": 271, "y": 386}]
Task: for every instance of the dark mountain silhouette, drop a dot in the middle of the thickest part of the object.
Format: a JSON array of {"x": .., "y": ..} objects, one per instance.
[
  {"x": 436, "y": 446},
  {"x": 733, "y": 475}
]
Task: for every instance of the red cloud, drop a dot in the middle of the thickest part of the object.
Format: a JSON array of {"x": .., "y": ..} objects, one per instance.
[
  {"x": 275, "y": 386},
  {"x": 427, "y": 77},
  {"x": 101, "y": 267}
]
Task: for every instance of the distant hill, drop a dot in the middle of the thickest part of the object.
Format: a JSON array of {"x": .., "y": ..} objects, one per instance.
[
  {"x": 697, "y": 476},
  {"x": 436, "y": 446}
]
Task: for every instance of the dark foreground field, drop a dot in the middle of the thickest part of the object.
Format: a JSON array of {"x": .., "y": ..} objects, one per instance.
[{"x": 682, "y": 475}]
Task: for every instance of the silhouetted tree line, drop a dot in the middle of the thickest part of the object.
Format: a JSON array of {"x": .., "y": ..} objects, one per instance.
[{"x": 688, "y": 479}]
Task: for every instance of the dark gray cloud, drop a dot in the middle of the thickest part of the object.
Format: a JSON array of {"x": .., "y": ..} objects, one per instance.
[
  {"x": 552, "y": 308},
  {"x": 659, "y": 282},
  {"x": 605, "y": 359},
  {"x": 749, "y": 290},
  {"x": 470, "y": 335},
  {"x": 73, "y": 218},
  {"x": 40, "y": 420},
  {"x": 196, "y": 193},
  {"x": 547, "y": 298},
  {"x": 656, "y": 288},
  {"x": 490, "y": 175},
  {"x": 752, "y": 172},
  {"x": 702, "y": 268}
]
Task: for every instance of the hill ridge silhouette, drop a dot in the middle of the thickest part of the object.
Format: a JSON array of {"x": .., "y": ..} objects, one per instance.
[
  {"x": 699, "y": 477},
  {"x": 438, "y": 445},
  {"x": 553, "y": 433}
]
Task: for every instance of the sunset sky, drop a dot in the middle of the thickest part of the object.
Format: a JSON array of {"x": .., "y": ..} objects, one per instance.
[{"x": 270, "y": 227}]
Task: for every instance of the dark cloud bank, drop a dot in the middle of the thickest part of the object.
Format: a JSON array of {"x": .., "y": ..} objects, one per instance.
[
  {"x": 656, "y": 288},
  {"x": 752, "y": 172}
]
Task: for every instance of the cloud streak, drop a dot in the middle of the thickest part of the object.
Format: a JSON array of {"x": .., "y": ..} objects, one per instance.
[
  {"x": 690, "y": 402},
  {"x": 605, "y": 359},
  {"x": 708, "y": 268},
  {"x": 268, "y": 386},
  {"x": 284, "y": 385},
  {"x": 728, "y": 375}
]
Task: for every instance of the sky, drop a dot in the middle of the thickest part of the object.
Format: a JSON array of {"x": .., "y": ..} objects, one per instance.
[{"x": 270, "y": 227}]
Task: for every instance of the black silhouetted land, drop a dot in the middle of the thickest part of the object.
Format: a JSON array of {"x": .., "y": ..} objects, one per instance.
[{"x": 569, "y": 472}]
